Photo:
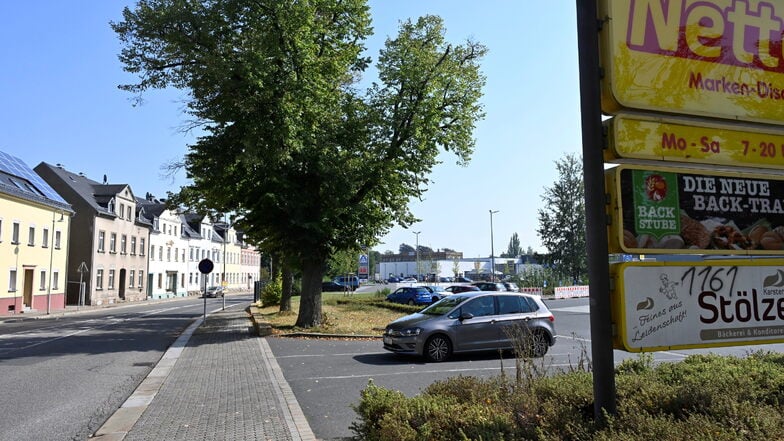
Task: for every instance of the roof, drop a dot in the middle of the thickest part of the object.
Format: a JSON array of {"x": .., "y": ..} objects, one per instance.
[
  {"x": 95, "y": 194},
  {"x": 19, "y": 180}
]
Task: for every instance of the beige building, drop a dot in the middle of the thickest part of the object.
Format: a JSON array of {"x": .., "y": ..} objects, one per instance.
[
  {"x": 34, "y": 239},
  {"x": 108, "y": 260}
]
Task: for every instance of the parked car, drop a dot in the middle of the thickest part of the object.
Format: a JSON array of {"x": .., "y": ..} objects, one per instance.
[
  {"x": 463, "y": 280},
  {"x": 214, "y": 291},
  {"x": 393, "y": 279},
  {"x": 474, "y": 321},
  {"x": 412, "y": 295},
  {"x": 409, "y": 280},
  {"x": 437, "y": 293},
  {"x": 352, "y": 282},
  {"x": 511, "y": 286},
  {"x": 445, "y": 279},
  {"x": 455, "y": 289},
  {"x": 490, "y": 286},
  {"x": 332, "y": 287}
]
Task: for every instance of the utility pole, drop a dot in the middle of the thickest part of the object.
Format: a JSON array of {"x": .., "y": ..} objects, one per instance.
[
  {"x": 417, "y": 253},
  {"x": 492, "y": 252}
]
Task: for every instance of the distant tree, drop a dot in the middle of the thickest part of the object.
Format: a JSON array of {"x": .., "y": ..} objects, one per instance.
[
  {"x": 406, "y": 249},
  {"x": 514, "y": 249},
  {"x": 425, "y": 250},
  {"x": 529, "y": 251},
  {"x": 342, "y": 262},
  {"x": 374, "y": 257},
  {"x": 562, "y": 220},
  {"x": 309, "y": 161}
]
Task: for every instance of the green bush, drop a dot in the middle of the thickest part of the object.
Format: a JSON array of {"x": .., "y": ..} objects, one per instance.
[
  {"x": 704, "y": 397},
  {"x": 272, "y": 292}
]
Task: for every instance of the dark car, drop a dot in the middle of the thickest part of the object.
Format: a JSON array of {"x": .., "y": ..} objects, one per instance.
[
  {"x": 455, "y": 289},
  {"x": 490, "y": 286},
  {"x": 463, "y": 280},
  {"x": 393, "y": 279},
  {"x": 332, "y": 287},
  {"x": 412, "y": 295},
  {"x": 474, "y": 321},
  {"x": 352, "y": 282}
]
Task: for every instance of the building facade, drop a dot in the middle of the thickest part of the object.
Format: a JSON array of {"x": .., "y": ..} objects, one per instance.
[
  {"x": 34, "y": 240},
  {"x": 109, "y": 265}
]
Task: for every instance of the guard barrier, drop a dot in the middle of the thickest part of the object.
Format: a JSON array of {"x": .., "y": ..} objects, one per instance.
[{"x": 569, "y": 292}]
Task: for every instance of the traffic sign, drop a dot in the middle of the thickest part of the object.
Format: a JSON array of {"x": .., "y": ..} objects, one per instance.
[{"x": 206, "y": 266}]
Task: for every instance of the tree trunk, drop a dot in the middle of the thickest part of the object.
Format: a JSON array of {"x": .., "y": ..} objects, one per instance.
[
  {"x": 310, "y": 298},
  {"x": 288, "y": 284}
]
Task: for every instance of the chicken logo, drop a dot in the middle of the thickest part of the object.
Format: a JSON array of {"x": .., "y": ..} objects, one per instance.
[{"x": 655, "y": 187}]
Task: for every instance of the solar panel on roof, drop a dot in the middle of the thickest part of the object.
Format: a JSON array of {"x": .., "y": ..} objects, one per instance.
[{"x": 16, "y": 167}]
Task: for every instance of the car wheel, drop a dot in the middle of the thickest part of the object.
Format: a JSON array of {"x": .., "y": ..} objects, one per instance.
[
  {"x": 410, "y": 301},
  {"x": 539, "y": 344},
  {"x": 438, "y": 348}
]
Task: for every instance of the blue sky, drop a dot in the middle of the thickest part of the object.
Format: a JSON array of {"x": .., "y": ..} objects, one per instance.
[{"x": 60, "y": 104}]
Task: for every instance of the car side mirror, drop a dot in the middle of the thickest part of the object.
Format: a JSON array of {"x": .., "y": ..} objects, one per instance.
[{"x": 466, "y": 316}]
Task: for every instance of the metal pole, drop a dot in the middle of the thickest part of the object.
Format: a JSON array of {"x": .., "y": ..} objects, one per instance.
[
  {"x": 225, "y": 239},
  {"x": 492, "y": 251},
  {"x": 417, "y": 253},
  {"x": 51, "y": 259},
  {"x": 596, "y": 218}
]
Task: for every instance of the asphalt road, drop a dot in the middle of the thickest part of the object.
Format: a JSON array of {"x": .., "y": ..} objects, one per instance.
[
  {"x": 62, "y": 378},
  {"x": 327, "y": 376}
]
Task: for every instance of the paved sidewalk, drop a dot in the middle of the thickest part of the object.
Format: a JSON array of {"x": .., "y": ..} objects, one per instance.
[{"x": 220, "y": 383}]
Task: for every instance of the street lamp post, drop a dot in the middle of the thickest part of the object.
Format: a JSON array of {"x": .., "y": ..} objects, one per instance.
[
  {"x": 417, "y": 253},
  {"x": 492, "y": 252}
]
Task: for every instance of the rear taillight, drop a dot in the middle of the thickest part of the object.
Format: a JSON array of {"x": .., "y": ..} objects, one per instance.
[{"x": 552, "y": 318}]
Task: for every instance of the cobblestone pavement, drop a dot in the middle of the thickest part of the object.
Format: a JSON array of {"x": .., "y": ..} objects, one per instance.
[{"x": 224, "y": 385}]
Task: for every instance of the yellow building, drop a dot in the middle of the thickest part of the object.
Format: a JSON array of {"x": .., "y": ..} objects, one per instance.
[{"x": 34, "y": 226}]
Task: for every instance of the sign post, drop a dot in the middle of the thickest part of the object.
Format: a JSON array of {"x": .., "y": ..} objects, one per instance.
[{"x": 205, "y": 267}]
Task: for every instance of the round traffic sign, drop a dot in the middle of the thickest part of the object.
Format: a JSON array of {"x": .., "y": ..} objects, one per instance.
[{"x": 206, "y": 266}]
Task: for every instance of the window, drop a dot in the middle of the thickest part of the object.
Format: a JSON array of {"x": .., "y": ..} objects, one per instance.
[
  {"x": 99, "y": 279},
  {"x": 479, "y": 307},
  {"x": 55, "y": 279},
  {"x": 512, "y": 305},
  {"x": 141, "y": 250},
  {"x": 31, "y": 237},
  {"x": 1, "y": 230},
  {"x": 42, "y": 284},
  {"x": 191, "y": 255},
  {"x": 45, "y": 238},
  {"x": 110, "y": 206},
  {"x": 123, "y": 244},
  {"x": 113, "y": 243},
  {"x": 130, "y": 279},
  {"x": 156, "y": 224},
  {"x": 133, "y": 245},
  {"x": 141, "y": 279},
  {"x": 182, "y": 280},
  {"x": 15, "y": 234},
  {"x": 130, "y": 216},
  {"x": 160, "y": 280},
  {"x": 168, "y": 254},
  {"x": 101, "y": 241},
  {"x": 160, "y": 253},
  {"x": 12, "y": 280},
  {"x": 111, "y": 279},
  {"x": 121, "y": 213},
  {"x": 57, "y": 240}
]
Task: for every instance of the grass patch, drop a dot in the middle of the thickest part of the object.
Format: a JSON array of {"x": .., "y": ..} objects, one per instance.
[
  {"x": 344, "y": 314},
  {"x": 704, "y": 397}
]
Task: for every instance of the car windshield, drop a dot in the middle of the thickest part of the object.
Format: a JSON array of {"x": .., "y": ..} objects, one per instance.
[{"x": 445, "y": 305}]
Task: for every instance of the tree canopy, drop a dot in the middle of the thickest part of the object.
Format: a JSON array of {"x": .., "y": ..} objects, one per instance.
[
  {"x": 310, "y": 164},
  {"x": 562, "y": 220}
]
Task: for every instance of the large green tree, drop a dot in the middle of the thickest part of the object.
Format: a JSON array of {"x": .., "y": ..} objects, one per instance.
[
  {"x": 309, "y": 163},
  {"x": 562, "y": 219},
  {"x": 514, "y": 249}
]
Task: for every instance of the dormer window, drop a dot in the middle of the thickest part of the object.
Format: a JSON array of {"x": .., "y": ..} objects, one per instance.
[
  {"x": 110, "y": 206},
  {"x": 155, "y": 225}
]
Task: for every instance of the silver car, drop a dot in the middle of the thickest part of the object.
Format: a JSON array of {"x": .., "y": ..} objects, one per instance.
[{"x": 474, "y": 321}]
